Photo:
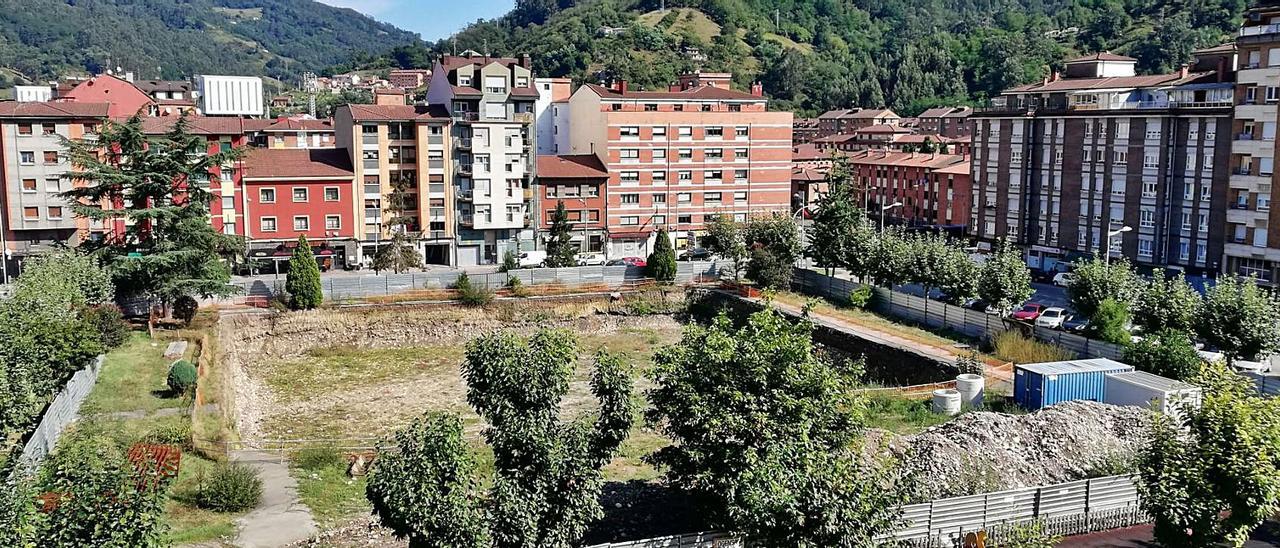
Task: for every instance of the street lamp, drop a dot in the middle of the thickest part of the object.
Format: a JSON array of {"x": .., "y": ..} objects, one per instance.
[
  {"x": 887, "y": 208},
  {"x": 800, "y": 226},
  {"x": 1111, "y": 234}
]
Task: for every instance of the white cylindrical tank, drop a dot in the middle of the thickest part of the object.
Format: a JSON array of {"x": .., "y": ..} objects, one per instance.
[
  {"x": 946, "y": 402},
  {"x": 970, "y": 387}
]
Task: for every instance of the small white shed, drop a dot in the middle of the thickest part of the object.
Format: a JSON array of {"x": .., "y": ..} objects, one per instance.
[{"x": 1142, "y": 389}]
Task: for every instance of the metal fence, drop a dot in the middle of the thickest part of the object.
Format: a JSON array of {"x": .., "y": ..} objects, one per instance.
[
  {"x": 373, "y": 285},
  {"x": 1072, "y": 508},
  {"x": 64, "y": 410},
  {"x": 1268, "y": 383},
  {"x": 933, "y": 313}
]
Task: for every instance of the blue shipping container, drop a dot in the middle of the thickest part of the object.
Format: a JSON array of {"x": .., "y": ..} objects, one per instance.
[{"x": 1038, "y": 385}]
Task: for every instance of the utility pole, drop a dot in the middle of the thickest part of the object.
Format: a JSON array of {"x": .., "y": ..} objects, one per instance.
[{"x": 309, "y": 84}]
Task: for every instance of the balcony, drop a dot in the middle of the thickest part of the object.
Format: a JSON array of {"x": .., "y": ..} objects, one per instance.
[
  {"x": 462, "y": 142},
  {"x": 463, "y": 168},
  {"x": 1244, "y": 136},
  {"x": 1259, "y": 30},
  {"x": 465, "y": 116},
  {"x": 466, "y": 220},
  {"x": 523, "y": 117},
  {"x": 465, "y": 195}
]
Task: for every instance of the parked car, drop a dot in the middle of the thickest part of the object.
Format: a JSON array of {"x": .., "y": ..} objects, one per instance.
[
  {"x": 695, "y": 254},
  {"x": 530, "y": 259},
  {"x": 1052, "y": 317},
  {"x": 628, "y": 261},
  {"x": 1029, "y": 312},
  {"x": 590, "y": 259},
  {"x": 1075, "y": 324},
  {"x": 979, "y": 305},
  {"x": 1064, "y": 279}
]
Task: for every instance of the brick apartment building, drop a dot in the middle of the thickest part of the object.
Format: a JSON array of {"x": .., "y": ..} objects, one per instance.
[
  {"x": 846, "y": 121},
  {"x": 299, "y": 133},
  {"x": 579, "y": 181},
  {"x": 1058, "y": 164},
  {"x": 224, "y": 182},
  {"x": 289, "y": 193},
  {"x": 679, "y": 156},
  {"x": 33, "y": 218},
  {"x": 931, "y": 190},
  {"x": 1253, "y": 226},
  {"x": 409, "y": 78},
  {"x": 950, "y": 122}
]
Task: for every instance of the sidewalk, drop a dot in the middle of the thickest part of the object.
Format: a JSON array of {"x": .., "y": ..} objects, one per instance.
[{"x": 280, "y": 518}]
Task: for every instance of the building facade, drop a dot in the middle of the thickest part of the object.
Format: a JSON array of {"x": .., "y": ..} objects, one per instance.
[
  {"x": 1061, "y": 164},
  {"x": 1253, "y": 227},
  {"x": 676, "y": 158},
  {"x": 552, "y": 114},
  {"x": 289, "y": 193},
  {"x": 491, "y": 103},
  {"x": 914, "y": 188},
  {"x": 579, "y": 181},
  {"x": 299, "y": 133}
]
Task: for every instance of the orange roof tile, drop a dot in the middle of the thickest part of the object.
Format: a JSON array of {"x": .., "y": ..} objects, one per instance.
[
  {"x": 286, "y": 163},
  {"x": 571, "y": 166}
]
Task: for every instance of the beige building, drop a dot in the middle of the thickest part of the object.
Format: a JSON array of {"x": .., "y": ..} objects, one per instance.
[{"x": 1253, "y": 227}]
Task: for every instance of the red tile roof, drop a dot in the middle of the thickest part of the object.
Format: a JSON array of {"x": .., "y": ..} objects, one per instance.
[
  {"x": 808, "y": 152},
  {"x": 871, "y": 113},
  {"x": 701, "y": 93},
  {"x": 455, "y": 62},
  {"x": 1114, "y": 82},
  {"x": 1101, "y": 56},
  {"x": 286, "y": 163},
  {"x": 571, "y": 166},
  {"x": 524, "y": 92},
  {"x": 53, "y": 109},
  {"x": 196, "y": 125},
  {"x": 808, "y": 174},
  {"x": 882, "y": 128},
  {"x": 936, "y": 112},
  {"x": 390, "y": 113},
  {"x": 300, "y": 124},
  {"x": 906, "y": 159},
  {"x": 959, "y": 168}
]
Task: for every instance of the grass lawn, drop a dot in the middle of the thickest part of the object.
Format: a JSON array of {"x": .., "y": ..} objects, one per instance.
[
  {"x": 905, "y": 416},
  {"x": 133, "y": 379}
]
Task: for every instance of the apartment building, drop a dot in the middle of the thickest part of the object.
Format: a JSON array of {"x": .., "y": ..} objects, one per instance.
[
  {"x": 552, "y": 114},
  {"x": 681, "y": 156},
  {"x": 846, "y": 121},
  {"x": 394, "y": 146},
  {"x": 409, "y": 78},
  {"x": 299, "y": 133},
  {"x": 1063, "y": 165},
  {"x": 124, "y": 97},
  {"x": 491, "y": 101},
  {"x": 289, "y": 193},
  {"x": 580, "y": 182},
  {"x": 1253, "y": 227},
  {"x": 224, "y": 182},
  {"x": 33, "y": 217},
  {"x": 914, "y": 188},
  {"x": 950, "y": 122}
]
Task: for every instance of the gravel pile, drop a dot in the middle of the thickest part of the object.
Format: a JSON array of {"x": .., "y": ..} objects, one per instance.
[{"x": 983, "y": 452}]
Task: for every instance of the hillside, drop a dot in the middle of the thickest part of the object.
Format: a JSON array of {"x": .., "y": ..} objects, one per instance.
[
  {"x": 813, "y": 55},
  {"x": 170, "y": 39}
]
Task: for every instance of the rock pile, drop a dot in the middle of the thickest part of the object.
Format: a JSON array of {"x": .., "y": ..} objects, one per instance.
[{"x": 983, "y": 452}]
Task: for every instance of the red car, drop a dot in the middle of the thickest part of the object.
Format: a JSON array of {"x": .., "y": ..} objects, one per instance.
[
  {"x": 628, "y": 261},
  {"x": 1029, "y": 312}
]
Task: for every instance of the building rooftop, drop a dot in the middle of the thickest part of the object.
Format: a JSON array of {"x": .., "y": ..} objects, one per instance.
[
  {"x": 151, "y": 86},
  {"x": 808, "y": 175},
  {"x": 935, "y": 112},
  {"x": 1106, "y": 83},
  {"x": 300, "y": 124},
  {"x": 870, "y": 113},
  {"x": 394, "y": 113},
  {"x": 907, "y": 159},
  {"x": 1075, "y": 366},
  {"x": 700, "y": 93},
  {"x": 830, "y": 114},
  {"x": 571, "y": 166},
  {"x": 882, "y": 129},
  {"x": 285, "y": 163},
  {"x": 53, "y": 109},
  {"x": 196, "y": 125},
  {"x": 1101, "y": 56}
]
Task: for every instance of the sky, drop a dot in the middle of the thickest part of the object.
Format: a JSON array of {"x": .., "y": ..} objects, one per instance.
[{"x": 433, "y": 19}]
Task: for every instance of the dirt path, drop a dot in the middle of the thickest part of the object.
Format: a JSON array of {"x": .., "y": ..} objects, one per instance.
[{"x": 280, "y": 518}]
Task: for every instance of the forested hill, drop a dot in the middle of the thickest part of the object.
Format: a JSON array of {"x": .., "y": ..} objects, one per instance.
[
  {"x": 906, "y": 54},
  {"x": 40, "y": 39}
]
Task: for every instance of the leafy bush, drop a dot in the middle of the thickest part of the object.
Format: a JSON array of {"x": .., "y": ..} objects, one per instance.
[
  {"x": 174, "y": 433},
  {"x": 184, "y": 309},
  {"x": 1167, "y": 353},
  {"x": 319, "y": 457},
  {"x": 182, "y": 377},
  {"x": 1109, "y": 321},
  {"x": 230, "y": 487},
  {"x": 509, "y": 262},
  {"x": 471, "y": 294},
  {"x": 109, "y": 321},
  {"x": 1017, "y": 348},
  {"x": 517, "y": 287},
  {"x": 861, "y": 297},
  {"x": 970, "y": 364}
]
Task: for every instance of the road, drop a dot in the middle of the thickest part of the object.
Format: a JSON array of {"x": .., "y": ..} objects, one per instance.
[{"x": 1046, "y": 294}]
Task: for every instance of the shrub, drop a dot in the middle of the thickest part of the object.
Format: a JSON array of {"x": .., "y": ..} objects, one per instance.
[
  {"x": 230, "y": 487},
  {"x": 182, "y": 377},
  {"x": 184, "y": 309},
  {"x": 174, "y": 433},
  {"x": 109, "y": 321},
  {"x": 861, "y": 297},
  {"x": 662, "y": 262},
  {"x": 509, "y": 262},
  {"x": 319, "y": 457},
  {"x": 1017, "y": 348},
  {"x": 471, "y": 294},
  {"x": 517, "y": 287},
  {"x": 1108, "y": 323},
  {"x": 303, "y": 280},
  {"x": 970, "y": 364}
]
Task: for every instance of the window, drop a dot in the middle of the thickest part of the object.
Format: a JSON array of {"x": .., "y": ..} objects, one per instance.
[
  {"x": 740, "y": 175},
  {"x": 1201, "y": 253},
  {"x": 735, "y": 107},
  {"x": 1150, "y": 161},
  {"x": 24, "y": 129},
  {"x": 1119, "y": 157},
  {"x": 27, "y": 157},
  {"x": 495, "y": 84},
  {"x": 685, "y": 154},
  {"x": 630, "y": 132},
  {"x": 712, "y": 175},
  {"x": 522, "y": 81},
  {"x": 684, "y": 197},
  {"x": 713, "y": 155},
  {"x": 659, "y": 198},
  {"x": 1145, "y": 247},
  {"x": 48, "y": 129},
  {"x": 684, "y": 219},
  {"x": 464, "y": 80},
  {"x": 1184, "y": 250},
  {"x": 1147, "y": 218},
  {"x": 685, "y": 132},
  {"x": 1272, "y": 93},
  {"x": 267, "y": 195},
  {"x": 495, "y": 111},
  {"x": 650, "y": 107},
  {"x": 55, "y": 212},
  {"x": 630, "y": 199},
  {"x": 300, "y": 194},
  {"x": 659, "y": 154},
  {"x": 1203, "y": 221},
  {"x": 658, "y": 219},
  {"x": 711, "y": 197},
  {"x": 678, "y": 108},
  {"x": 1265, "y": 166},
  {"x": 1268, "y": 131},
  {"x": 715, "y": 131},
  {"x": 659, "y": 177},
  {"x": 228, "y": 204},
  {"x": 301, "y": 222},
  {"x": 267, "y": 224},
  {"x": 331, "y": 194},
  {"x": 630, "y": 155},
  {"x": 685, "y": 176},
  {"x": 629, "y": 220},
  {"x": 1149, "y": 189},
  {"x": 28, "y": 185},
  {"x": 740, "y": 131},
  {"x": 740, "y": 196},
  {"x": 740, "y": 154},
  {"x": 630, "y": 177},
  {"x": 332, "y": 222},
  {"x": 1264, "y": 202},
  {"x": 659, "y": 132},
  {"x": 1273, "y": 57}
]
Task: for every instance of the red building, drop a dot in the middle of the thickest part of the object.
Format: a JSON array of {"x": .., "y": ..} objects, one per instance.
[
  {"x": 918, "y": 189},
  {"x": 124, "y": 97},
  {"x": 221, "y": 133},
  {"x": 295, "y": 192},
  {"x": 578, "y": 181}
]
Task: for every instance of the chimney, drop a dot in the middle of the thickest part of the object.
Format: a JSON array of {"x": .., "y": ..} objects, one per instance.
[
  {"x": 1184, "y": 71},
  {"x": 1045, "y": 81},
  {"x": 128, "y": 76},
  {"x": 1056, "y": 76},
  {"x": 524, "y": 60},
  {"x": 757, "y": 89},
  {"x": 620, "y": 86}
]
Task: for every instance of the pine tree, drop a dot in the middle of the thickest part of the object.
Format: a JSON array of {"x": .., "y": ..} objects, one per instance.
[
  {"x": 303, "y": 281},
  {"x": 560, "y": 249},
  {"x": 662, "y": 262},
  {"x": 399, "y": 254},
  {"x": 153, "y": 187}
]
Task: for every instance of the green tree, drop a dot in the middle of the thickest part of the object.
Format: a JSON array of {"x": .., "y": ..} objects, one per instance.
[
  {"x": 1004, "y": 281},
  {"x": 560, "y": 249},
  {"x": 778, "y": 469},
  {"x": 62, "y": 281},
  {"x": 1240, "y": 319},
  {"x": 862, "y": 247},
  {"x": 1097, "y": 280},
  {"x": 547, "y": 479},
  {"x": 836, "y": 219},
  {"x": 893, "y": 258},
  {"x": 1169, "y": 353},
  {"x": 662, "y": 262},
  {"x": 775, "y": 246},
  {"x": 1110, "y": 322},
  {"x": 1167, "y": 303},
  {"x": 397, "y": 255},
  {"x": 167, "y": 249},
  {"x": 303, "y": 281},
  {"x": 1209, "y": 475},
  {"x": 726, "y": 239}
]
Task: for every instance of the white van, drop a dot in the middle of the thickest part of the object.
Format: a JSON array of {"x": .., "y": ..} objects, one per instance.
[{"x": 531, "y": 259}]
